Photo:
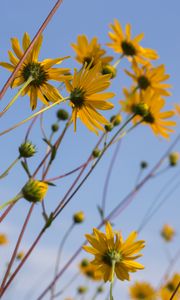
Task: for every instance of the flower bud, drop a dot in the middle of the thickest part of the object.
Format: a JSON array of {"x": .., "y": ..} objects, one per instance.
[
  {"x": 116, "y": 120},
  {"x": 144, "y": 165},
  {"x": 84, "y": 263},
  {"x": 109, "y": 127},
  {"x": 27, "y": 149},
  {"x": 62, "y": 115},
  {"x": 173, "y": 159},
  {"x": 100, "y": 289},
  {"x": 3, "y": 239},
  {"x": 34, "y": 190},
  {"x": 108, "y": 69},
  {"x": 55, "y": 127},
  {"x": 78, "y": 217},
  {"x": 96, "y": 152},
  {"x": 20, "y": 255},
  {"x": 82, "y": 289},
  {"x": 167, "y": 232}
]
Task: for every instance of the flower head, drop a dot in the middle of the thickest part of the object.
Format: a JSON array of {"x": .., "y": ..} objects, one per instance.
[
  {"x": 148, "y": 77},
  {"x": 27, "y": 149},
  {"x": 35, "y": 190},
  {"x": 142, "y": 290},
  {"x": 90, "y": 52},
  {"x": 41, "y": 72},
  {"x": 112, "y": 254},
  {"x": 167, "y": 290},
  {"x": 127, "y": 46},
  {"x": 78, "y": 217},
  {"x": 85, "y": 97},
  {"x": 3, "y": 239},
  {"x": 167, "y": 232}
]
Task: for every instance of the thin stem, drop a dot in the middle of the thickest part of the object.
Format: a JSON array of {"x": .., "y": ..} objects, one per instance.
[
  {"x": 17, "y": 247},
  {"x": 12, "y": 201},
  {"x": 30, "y": 128},
  {"x": 30, "y": 79},
  {"x": 32, "y": 116},
  {"x": 112, "y": 281},
  {"x": 108, "y": 176},
  {"x": 118, "y": 61},
  {"x": 62, "y": 243},
  {"x": 41, "y": 29},
  {"x": 5, "y": 213},
  {"x": 5, "y": 173}
]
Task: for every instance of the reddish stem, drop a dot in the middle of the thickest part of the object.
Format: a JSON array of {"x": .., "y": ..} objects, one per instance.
[
  {"x": 41, "y": 29},
  {"x": 5, "y": 213},
  {"x": 17, "y": 246}
]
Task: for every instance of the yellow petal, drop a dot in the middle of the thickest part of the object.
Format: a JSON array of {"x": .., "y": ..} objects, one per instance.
[{"x": 16, "y": 47}]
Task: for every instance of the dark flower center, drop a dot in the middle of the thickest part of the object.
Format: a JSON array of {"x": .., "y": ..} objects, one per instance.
[
  {"x": 77, "y": 97},
  {"x": 38, "y": 73},
  {"x": 141, "y": 295},
  {"x": 112, "y": 256},
  {"x": 128, "y": 48},
  {"x": 170, "y": 287},
  {"x": 143, "y": 82},
  {"x": 149, "y": 118}
]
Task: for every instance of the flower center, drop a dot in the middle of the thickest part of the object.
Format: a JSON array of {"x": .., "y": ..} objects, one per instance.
[
  {"x": 170, "y": 287},
  {"x": 140, "y": 109},
  {"x": 149, "y": 118},
  {"x": 143, "y": 82},
  {"x": 128, "y": 48},
  {"x": 141, "y": 295},
  {"x": 38, "y": 73},
  {"x": 77, "y": 97},
  {"x": 112, "y": 256}
]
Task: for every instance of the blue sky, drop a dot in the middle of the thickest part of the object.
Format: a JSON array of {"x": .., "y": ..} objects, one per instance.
[{"x": 159, "y": 20}]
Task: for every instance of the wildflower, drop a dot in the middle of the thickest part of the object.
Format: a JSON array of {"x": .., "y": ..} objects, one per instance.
[
  {"x": 78, "y": 217},
  {"x": 27, "y": 149},
  {"x": 3, "y": 239},
  {"x": 128, "y": 46},
  {"x": 41, "y": 72},
  {"x": 167, "y": 290},
  {"x": 142, "y": 290},
  {"x": 167, "y": 232},
  {"x": 89, "y": 270},
  {"x": 113, "y": 255},
  {"x": 147, "y": 108},
  {"x": 173, "y": 159},
  {"x": 148, "y": 77},
  {"x": 90, "y": 52},
  {"x": 34, "y": 190},
  {"x": 85, "y": 97}
]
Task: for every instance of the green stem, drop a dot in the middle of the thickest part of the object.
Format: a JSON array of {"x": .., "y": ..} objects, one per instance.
[
  {"x": 118, "y": 61},
  {"x": 30, "y": 79},
  {"x": 13, "y": 200},
  {"x": 5, "y": 173},
  {"x": 112, "y": 281}
]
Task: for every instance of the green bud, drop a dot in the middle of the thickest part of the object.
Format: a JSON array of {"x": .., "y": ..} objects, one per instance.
[
  {"x": 109, "y": 127},
  {"x": 144, "y": 165},
  {"x": 173, "y": 159},
  {"x": 55, "y": 127},
  {"x": 34, "y": 190},
  {"x": 96, "y": 153},
  {"x": 27, "y": 149},
  {"x": 62, "y": 115},
  {"x": 116, "y": 120},
  {"x": 84, "y": 263},
  {"x": 82, "y": 289},
  {"x": 108, "y": 69},
  {"x": 100, "y": 289},
  {"x": 141, "y": 109}
]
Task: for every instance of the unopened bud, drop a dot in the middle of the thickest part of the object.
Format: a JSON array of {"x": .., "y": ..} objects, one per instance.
[
  {"x": 20, "y": 255},
  {"x": 96, "y": 152},
  {"x": 62, "y": 115},
  {"x": 116, "y": 120},
  {"x": 78, "y": 217},
  {"x": 144, "y": 165},
  {"x": 84, "y": 263},
  {"x": 109, "y": 127},
  {"x": 173, "y": 158},
  {"x": 27, "y": 149},
  {"x": 55, "y": 127},
  {"x": 35, "y": 190},
  {"x": 82, "y": 289},
  {"x": 141, "y": 109},
  {"x": 108, "y": 69}
]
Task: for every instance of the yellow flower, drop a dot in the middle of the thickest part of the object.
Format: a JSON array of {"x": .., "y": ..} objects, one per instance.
[
  {"x": 167, "y": 290},
  {"x": 128, "y": 46},
  {"x": 78, "y": 217},
  {"x": 85, "y": 97},
  {"x": 90, "y": 270},
  {"x": 112, "y": 254},
  {"x": 148, "y": 77},
  {"x": 41, "y": 72},
  {"x": 142, "y": 290},
  {"x": 167, "y": 232},
  {"x": 3, "y": 239},
  {"x": 90, "y": 52},
  {"x": 147, "y": 107}
]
